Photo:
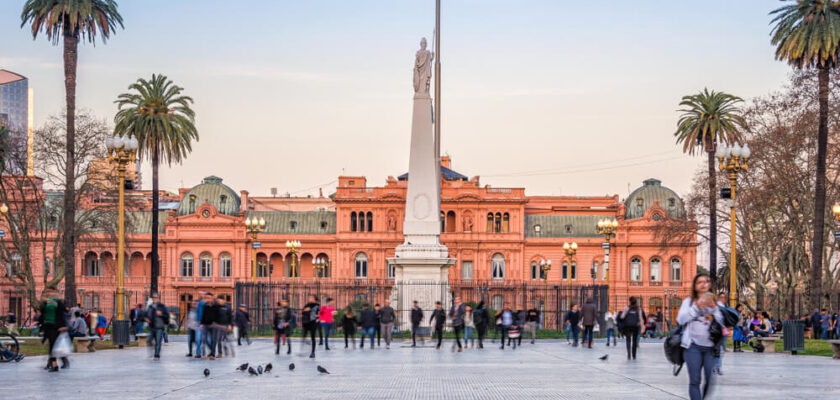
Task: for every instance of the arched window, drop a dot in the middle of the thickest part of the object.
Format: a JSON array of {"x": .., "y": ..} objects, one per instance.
[
  {"x": 353, "y": 221},
  {"x": 497, "y": 223},
  {"x": 361, "y": 265},
  {"x": 225, "y": 265},
  {"x": 489, "y": 222},
  {"x": 497, "y": 302},
  {"x": 535, "y": 271},
  {"x": 48, "y": 268},
  {"x": 595, "y": 267},
  {"x": 442, "y": 221},
  {"x": 370, "y": 221},
  {"x": 13, "y": 266},
  {"x": 192, "y": 203},
  {"x": 574, "y": 271},
  {"x": 676, "y": 270},
  {"x": 450, "y": 221},
  {"x": 187, "y": 264},
  {"x": 506, "y": 223},
  {"x": 293, "y": 225},
  {"x": 92, "y": 265},
  {"x": 564, "y": 271},
  {"x": 205, "y": 265},
  {"x": 497, "y": 266},
  {"x": 361, "y": 221},
  {"x": 655, "y": 270},
  {"x": 636, "y": 269}
]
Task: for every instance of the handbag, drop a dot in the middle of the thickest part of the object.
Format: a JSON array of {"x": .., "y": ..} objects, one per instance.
[
  {"x": 674, "y": 350},
  {"x": 63, "y": 346}
]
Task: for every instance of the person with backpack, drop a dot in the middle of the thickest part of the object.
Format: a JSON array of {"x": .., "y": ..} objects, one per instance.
[
  {"x": 309, "y": 319},
  {"x": 283, "y": 325},
  {"x": 53, "y": 322},
  {"x": 481, "y": 319},
  {"x": 698, "y": 315},
  {"x": 439, "y": 319},
  {"x": 348, "y": 325},
  {"x": 590, "y": 316},
  {"x": 101, "y": 325},
  {"x": 416, "y": 319},
  {"x": 631, "y": 321}
]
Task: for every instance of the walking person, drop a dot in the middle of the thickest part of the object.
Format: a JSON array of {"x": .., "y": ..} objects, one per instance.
[
  {"x": 439, "y": 319},
  {"x": 242, "y": 320},
  {"x": 386, "y": 322},
  {"x": 609, "y": 322},
  {"x": 222, "y": 326},
  {"x": 416, "y": 319},
  {"x": 481, "y": 319},
  {"x": 590, "y": 315},
  {"x": 368, "y": 323},
  {"x": 326, "y": 316},
  {"x": 191, "y": 324},
  {"x": 137, "y": 317},
  {"x": 378, "y": 327},
  {"x": 208, "y": 315},
  {"x": 157, "y": 316},
  {"x": 53, "y": 322},
  {"x": 507, "y": 320},
  {"x": 632, "y": 319},
  {"x": 697, "y": 315},
  {"x": 816, "y": 325},
  {"x": 348, "y": 325},
  {"x": 469, "y": 328},
  {"x": 309, "y": 319},
  {"x": 532, "y": 321},
  {"x": 283, "y": 324},
  {"x": 720, "y": 345},
  {"x": 573, "y": 318},
  {"x": 456, "y": 314}
]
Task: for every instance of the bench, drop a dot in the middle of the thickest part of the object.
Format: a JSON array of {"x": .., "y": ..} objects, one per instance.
[
  {"x": 85, "y": 344},
  {"x": 769, "y": 343},
  {"x": 141, "y": 339},
  {"x": 835, "y": 345}
]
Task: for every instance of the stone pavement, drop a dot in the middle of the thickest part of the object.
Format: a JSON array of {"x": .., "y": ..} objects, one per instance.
[{"x": 547, "y": 370}]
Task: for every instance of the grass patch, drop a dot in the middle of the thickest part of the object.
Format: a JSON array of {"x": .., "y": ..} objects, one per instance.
[
  {"x": 35, "y": 348},
  {"x": 812, "y": 348}
]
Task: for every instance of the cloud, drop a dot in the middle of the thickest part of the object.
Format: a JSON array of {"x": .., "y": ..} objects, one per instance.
[
  {"x": 25, "y": 63},
  {"x": 267, "y": 72}
]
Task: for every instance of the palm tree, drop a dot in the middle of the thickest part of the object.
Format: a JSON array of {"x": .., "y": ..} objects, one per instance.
[
  {"x": 807, "y": 35},
  {"x": 161, "y": 119},
  {"x": 709, "y": 118},
  {"x": 71, "y": 20}
]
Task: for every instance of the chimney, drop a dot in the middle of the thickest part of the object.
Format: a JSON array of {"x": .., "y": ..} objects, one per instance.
[{"x": 446, "y": 161}]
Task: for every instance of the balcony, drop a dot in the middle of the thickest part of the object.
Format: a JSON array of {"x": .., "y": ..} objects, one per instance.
[
  {"x": 655, "y": 283},
  {"x": 675, "y": 284},
  {"x": 635, "y": 283}
]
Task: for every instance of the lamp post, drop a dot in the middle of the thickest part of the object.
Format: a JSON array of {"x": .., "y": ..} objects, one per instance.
[
  {"x": 545, "y": 266},
  {"x": 293, "y": 247},
  {"x": 121, "y": 151},
  {"x": 320, "y": 265},
  {"x": 254, "y": 227},
  {"x": 732, "y": 159},
  {"x": 607, "y": 228},
  {"x": 571, "y": 250},
  {"x": 835, "y": 209}
]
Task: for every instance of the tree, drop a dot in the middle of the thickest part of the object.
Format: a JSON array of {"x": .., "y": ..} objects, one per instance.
[
  {"x": 160, "y": 117},
  {"x": 709, "y": 118},
  {"x": 807, "y": 35},
  {"x": 71, "y": 20}
]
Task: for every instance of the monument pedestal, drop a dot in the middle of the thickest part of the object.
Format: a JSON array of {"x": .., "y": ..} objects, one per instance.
[{"x": 421, "y": 279}]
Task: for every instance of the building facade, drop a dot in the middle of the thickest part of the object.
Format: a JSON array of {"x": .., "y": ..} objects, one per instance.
[
  {"x": 16, "y": 111},
  {"x": 496, "y": 234}
]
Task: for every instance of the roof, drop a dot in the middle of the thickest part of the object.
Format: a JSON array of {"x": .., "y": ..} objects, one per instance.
[
  {"x": 137, "y": 222},
  {"x": 305, "y": 222},
  {"x": 446, "y": 173},
  {"x": 9, "y": 76},
  {"x": 213, "y": 191},
  {"x": 555, "y": 226},
  {"x": 648, "y": 194}
]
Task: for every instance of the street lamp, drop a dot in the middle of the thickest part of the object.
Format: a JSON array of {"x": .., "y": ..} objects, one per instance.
[
  {"x": 121, "y": 150},
  {"x": 571, "y": 250},
  {"x": 254, "y": 227},
  {"x": 293, "y": 247},
  {"x": 834, "y": 209},
  {"x": 607, "y": 228},
  {"x": 320, "y": 265},
  {"x": 545, "y": 266},
  {"x": 733, "y": 159}
]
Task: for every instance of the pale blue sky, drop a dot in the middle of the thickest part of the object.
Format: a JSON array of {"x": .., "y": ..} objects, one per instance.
[{"x": 290, "y": 93}]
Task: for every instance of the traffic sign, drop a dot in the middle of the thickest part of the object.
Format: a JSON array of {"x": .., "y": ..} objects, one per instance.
[
  {"x": 2, "y": 233},
  {"x": 256, "y": 245}
]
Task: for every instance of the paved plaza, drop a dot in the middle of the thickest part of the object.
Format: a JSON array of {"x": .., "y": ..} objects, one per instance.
[{"x": 547, "y": 370}]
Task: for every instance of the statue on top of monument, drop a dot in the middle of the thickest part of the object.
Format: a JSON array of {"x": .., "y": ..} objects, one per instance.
[{"x": 423, "y": 69}]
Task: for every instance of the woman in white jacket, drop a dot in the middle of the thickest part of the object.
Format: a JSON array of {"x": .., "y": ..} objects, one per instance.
[{"x": 696, "y": 315}]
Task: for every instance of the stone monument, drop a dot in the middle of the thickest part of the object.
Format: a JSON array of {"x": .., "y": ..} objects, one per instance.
[{"x": 421, "y": 263}]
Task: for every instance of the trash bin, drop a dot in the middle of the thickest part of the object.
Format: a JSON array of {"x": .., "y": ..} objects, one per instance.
[
  {"x": 119, "y": 333},
  {"x": 794, "y": 336}
]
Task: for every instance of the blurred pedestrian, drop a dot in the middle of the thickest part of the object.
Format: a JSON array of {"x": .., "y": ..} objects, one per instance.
[
  {"x": 416, "y": 319},
  {"x": 386, "y": 321},
  {"x": 697, "y": 314},
  {"x": 157, "y": 316},
  {"x": 469, "y": 328},
  {"x": 590, "y": 315},
  {"x": 632, "y": 319},
  {"x": 368, "y": 323},
  {"x": 481, "y": 319},
  {"x": 438, "y": 318},
  {"x": 309, "y": 319},
  {"x": 242, "y": 319},
  {"x": 573, "y": 318},
  {"x": 53, "y": 322},
  {"x": 348, "y": 325},
  {"x": 456, "y": 314},
  {"x": 532, "y": 322},
  {"x": 326, "y": 317}
]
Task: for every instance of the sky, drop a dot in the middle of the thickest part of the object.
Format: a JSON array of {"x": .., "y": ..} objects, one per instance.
[{"x": 559, "y": 97}]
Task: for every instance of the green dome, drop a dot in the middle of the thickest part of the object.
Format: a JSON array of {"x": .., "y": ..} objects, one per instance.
[
  {"x": 213, "y": 191},
  {"x": 646, "y": 196}
]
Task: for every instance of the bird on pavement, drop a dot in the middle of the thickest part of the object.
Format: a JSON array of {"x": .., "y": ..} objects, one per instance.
[
  {"x": 243, "y": 367},
  {"x": 206, "y": 372},
  {"x": 252, "y": 371},
  {"x": 267, "y": 368},
  {"x": 291, "y": 366},
  {"x": 322, "y": 370},
  {"x": 604, "y": 358},
  {"x": 259, "y": 369}
]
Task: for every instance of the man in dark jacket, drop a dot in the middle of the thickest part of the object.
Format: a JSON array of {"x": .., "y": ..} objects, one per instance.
[
  {"x": 368, "y": 322},
  {"x": 416, "y": 318},
  {"x": 137, "y": 318},
  {"x": 222, "y": 324},
  {"x": 573, "y": 318},
  {"x": 590, "y": 315},
  {"x": 816, "y": 325},
  {"x": 481, "y": 319},
  {"x": 157, "y": 315},
  {"x": 386, "y": 322},
  {"x": 53, "y": 322},
  {"x": 309, "y": 318},
  {"x": 532, "y": 321},
  {"x": 242, "y": 319},
  {"x": 439, "y": 319},
  {"x": 456, "y": 314},
  {"x": 283, "y": 325},
  {"x": 208, "y": 315}
]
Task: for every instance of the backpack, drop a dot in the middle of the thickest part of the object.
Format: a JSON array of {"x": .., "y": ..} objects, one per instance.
[
  {"x": 730, "y": 316},
  {"x": 631, "y": 318},
  {"x": 758, "y": 347},
  {"x": 674, "y": 350},
  {"x": 313, "y": 313}
]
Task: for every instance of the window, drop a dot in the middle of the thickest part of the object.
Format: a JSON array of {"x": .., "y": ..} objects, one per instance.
[
  {"x": 636, "y": 269},
  {"x": 222, "y": 201},
  {"x": 361, "y": 265},
  {"x": 92, "y": 266},
  {"x": 48, "y": 267},
  {"x": 353, "y": 221},
  {"x": 564, "y": 271},
  {"x": 192, "y": 203},
  {"x": 574, "y": 271},
  {"x": 672, "y": 202},
  {"x": 262, "y": 269},
  {"x": 442, "y": 222},
  {"x": 324, "y": 225},
  {"x": 293, "y": 225},
  {"x": 568, "y": 229},
  {"x": 14, "y": 266},
  {"x": 289, "y": 268},
  {"x": 640, "y": 202},
  {"x": 489, "y": 222},
  {"x": 361, "y": 216},
  {"x": 537, "y": 229},
  {"x": 450, "y": 221},
  {"x": 595, "y": 267},
  {"x": 205, "y": 265},
  {"x": 392, "y": 270},
  {"x": 498, "y": 266},
  {"x": 506, "y": 223},
  {"x": 187, "y": 264},
  {"x": 370, "y": 221},
  {"x": 655, "y": 270},
  {"x": 535, "y": 271},
  {"x": 225, "y": 265},
  {"x": 676, "y": 269},
  {"x": 497, "y": 302},
  {"x": 466, "y": 269},
  {"x": 497, "y": 223}
]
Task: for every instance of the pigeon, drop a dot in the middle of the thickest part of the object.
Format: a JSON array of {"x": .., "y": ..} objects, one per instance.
[
  {"x": 323, "y": 370},
  {"x": 252, "y": 371},
  {"x": 604, "y": 358},
  {"x": 206, "y": 372},
  {"x": 259, "y": 369},
  {"x": 291, "y": 366},
  {"x": 267, "y": 368},
  {"x": 243, "y": 367}
]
